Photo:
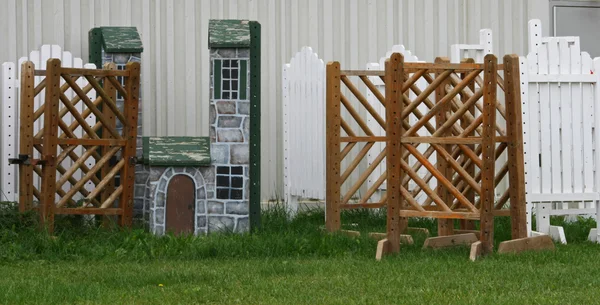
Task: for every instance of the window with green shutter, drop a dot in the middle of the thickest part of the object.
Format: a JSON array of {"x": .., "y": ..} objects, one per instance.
[{"x": 230, "y": 79}]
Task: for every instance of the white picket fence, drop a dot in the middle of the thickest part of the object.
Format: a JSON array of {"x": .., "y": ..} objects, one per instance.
[
  {"x": 9, "y": 135},
  {"x": 304, "y": 127},
  {"x": 561, "y": 107}
]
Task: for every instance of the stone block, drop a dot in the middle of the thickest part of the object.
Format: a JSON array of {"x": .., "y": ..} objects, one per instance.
[
  {"x": 208, "y": 172},
  {"x": 243, "y": 53},
  {"x": 198, "y": 177},
  {"x": 246, "y": 130},
  {"x": 200, "y": 206},
  {"x": 139, "y": 190},
  {"x": 243, "y": 225},
  {"x": 138, "y": 204},
  {"x": 161, "y": 199},
  {"x": 243, "y": 107},
  {"x": 227, "y": 121},
  {"x": 220, "y": 224},
  {"x": 227, "y": 53},
  {"x": 162, "y": 185},
  {"x": 156, "y": 173},
  {"x": 237, "y": 208},
  {"x": 201, "y": 193},
  {"x": 215, "y": 207},
  {"x": 121, "y": 58},
  {"x": 226, "y": 107},
  {"x": 240, "y": 154},
  {"x": 212, "y": 114},
  {"x": 141, "y": 177},
  {"x": 229, "y": 135},
  {"x": 159, "y": 230},
  {"x": 159, "y": 216},
  {"x": 219, "y": 154},
  {"x": 213, "y": 135},
  {"x": 201, "y": 221}
]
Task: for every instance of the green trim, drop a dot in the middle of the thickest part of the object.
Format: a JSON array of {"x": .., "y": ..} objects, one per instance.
[
  {"x": 242, "y": 77},
  {"x": 254, "y": 125},
  {"x": 146, "y": 150},
  {"x": 228, "y": 34},
  {"x": 95, "y": 47},
  {"x": 217, "y": 78}
]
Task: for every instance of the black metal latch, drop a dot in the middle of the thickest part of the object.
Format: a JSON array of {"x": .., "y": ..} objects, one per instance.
[{"x": 26, "y": 160}]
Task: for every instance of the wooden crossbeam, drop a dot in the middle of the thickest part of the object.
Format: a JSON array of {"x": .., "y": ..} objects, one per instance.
[
  {"x": 364, "y": 102},
  {"x": 432, "y": 194},
  {"x": 117, "y": 86},
  {"x": 361, "y": 154},
  {"x": 107, "y": 179},
  {"x": 365, "y": 175},
  {"x": 69, "y": 173},
  {"x": 106, "y": 99},
  {"x": 91, "y": 106},
  {"x": 363, "y": 125}
]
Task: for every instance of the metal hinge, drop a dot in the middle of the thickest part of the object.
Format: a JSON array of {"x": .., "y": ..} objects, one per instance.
[{"x": 25, "y": 160}]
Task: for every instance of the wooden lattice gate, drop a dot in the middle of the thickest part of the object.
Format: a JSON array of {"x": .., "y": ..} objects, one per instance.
[
  {"x": 460, "y": 127},
  {"x": 112, "y": 148}
]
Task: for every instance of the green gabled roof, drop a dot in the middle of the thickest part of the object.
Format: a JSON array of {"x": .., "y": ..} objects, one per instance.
[
  {"x": 176, "y": 151},
  {"x": 228, "y": 33},
  {"x": 120, "y": 39}
]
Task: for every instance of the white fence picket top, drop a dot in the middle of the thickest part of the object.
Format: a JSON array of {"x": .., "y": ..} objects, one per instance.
[
  {"x": 10, "y": 116},
  {"x": 304, "y": 126},
  {"x": 475, "y": 51},
  {"x": 561, "y": 109}
]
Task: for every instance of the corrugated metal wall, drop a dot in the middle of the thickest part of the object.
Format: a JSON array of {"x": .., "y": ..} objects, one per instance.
[{"x": 175, "y": 60}]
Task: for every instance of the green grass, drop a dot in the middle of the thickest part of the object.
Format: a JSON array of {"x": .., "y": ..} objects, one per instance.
[{"x": 287, "y": 262}]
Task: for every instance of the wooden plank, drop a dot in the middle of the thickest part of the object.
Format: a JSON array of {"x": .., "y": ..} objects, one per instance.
[
  {"x": 450, "y": 241},
  {"x": 178, "y": 151},
  {"x": 536, "y": 243},
  {"x": 404, "y": 239},
  {"x": 362, "y": 139},
  {"x": 488, "y": 154},
  {"x": 475, "y": 251},
  {"x": 333, "y": 160},
  {"x": 50, "y": 145},
  {"x": 362, "y": 73},
  {"x": 26, "y": 125},
  {"x": 440, "y": 214},
  {"x": 394, "y": 78},
  {"x": 514, "y": 131},
  {"x": 108, "y": 187},
  {"x": 91, "y": 142},
  {"x": 132, "y": 86},
  {"x": 88, "y": 211},
  {"x": 466, "y": 231},
  {"x": 382, "y": 249}
]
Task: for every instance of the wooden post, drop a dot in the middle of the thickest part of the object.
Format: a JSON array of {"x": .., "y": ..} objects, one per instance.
[
  {"x": 111, "y": 92},
  {"x": 445, "y": 226},
  {"x": 49, "y": 144},
  {"x": 26, "y": 121},
  {"x": 466, "y": 224},
  {"x": 488, "y": 141},
  {"x": 333, "y": 155},
  {"x": 394, "y": 79},
  {"x": 514, "y": 132},
  {"x": 132, "y": 87}
]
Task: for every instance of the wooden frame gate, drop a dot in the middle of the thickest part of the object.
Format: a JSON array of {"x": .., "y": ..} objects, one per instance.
[
  {"x": 113, "y": 150},
  {"x": 462, "y": 131}
]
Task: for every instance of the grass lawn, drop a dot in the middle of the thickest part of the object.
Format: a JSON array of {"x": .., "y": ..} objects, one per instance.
[{"x": 287, "y": 262}]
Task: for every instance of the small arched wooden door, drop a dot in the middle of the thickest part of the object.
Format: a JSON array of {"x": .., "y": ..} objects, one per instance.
[{"x": 181, "y": 201}]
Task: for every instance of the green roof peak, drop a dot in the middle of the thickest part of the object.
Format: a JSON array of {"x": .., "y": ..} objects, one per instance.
[
  {"x": 228, "y": 33},
  {"x": 119, "y": 39}
]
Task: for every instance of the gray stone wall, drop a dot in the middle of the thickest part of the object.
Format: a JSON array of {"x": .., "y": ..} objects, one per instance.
[{"x": 229, "y": 134}]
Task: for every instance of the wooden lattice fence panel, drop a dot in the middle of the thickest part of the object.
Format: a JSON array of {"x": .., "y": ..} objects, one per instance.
[
  {"x": 456, "y": 134},
  {"x": 110, "y": 152}
]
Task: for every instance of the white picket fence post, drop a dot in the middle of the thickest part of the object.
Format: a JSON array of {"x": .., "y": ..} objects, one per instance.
[
  {"x": 475, "y": 51},
  {"x": 561, "y": 105},
  {"x": 10, "y": 116},
  {"x": 303, "y": 128}
]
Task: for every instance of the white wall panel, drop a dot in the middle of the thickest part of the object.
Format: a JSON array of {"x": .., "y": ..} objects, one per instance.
[{"x": 175, "y": 61}]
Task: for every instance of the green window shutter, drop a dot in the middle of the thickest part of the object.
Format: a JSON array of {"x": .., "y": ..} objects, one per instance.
[
  {"x": 242, "y": 83},
  {"x": 216, "y": 79}
]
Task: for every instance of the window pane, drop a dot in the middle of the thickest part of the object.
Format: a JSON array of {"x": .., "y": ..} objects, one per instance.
[
  {"x": 234, "y": 63},
  {"x": 234, "y": 95},
  {"x": 226, "y": 63},
  {"x": 226, "y": 73},
  {"x": 234, "y": 84},
  {"x": 226, "y": 95},
  {"x": 234, "y": 74},
  {"x": 226, "y": 85}
]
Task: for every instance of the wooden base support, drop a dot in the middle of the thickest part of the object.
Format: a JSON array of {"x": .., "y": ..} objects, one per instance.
[
  {"x": 557, "y": 233},
  {"x": 475, "y": 251},
  {"x": 413, "y": 230},
  {"x": 383, "y": 248},
  {"x": 476, "y": 232},
  {"x": 593, "y": 237},
  {"x": 404, "y": 239},
  {"x": 350, "y": 233},
  {"x": 450, "y": 241},
  {"x": 542, "y": 242}
]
